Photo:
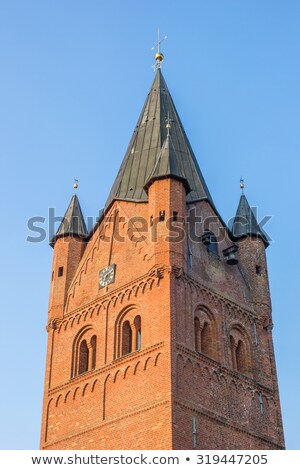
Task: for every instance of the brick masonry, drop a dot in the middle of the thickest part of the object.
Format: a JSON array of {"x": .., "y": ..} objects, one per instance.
[{"x": 157, "y": 395}]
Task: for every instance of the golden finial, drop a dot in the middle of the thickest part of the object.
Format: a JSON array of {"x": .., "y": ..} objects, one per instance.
[
  {"x": 75, "y": 185},
  {"x": 159, "y": 57},
  {"x": 242, "y": 184}
]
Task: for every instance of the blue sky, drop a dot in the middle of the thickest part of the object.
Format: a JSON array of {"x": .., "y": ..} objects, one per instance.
[{"x": 74, "y": 76}]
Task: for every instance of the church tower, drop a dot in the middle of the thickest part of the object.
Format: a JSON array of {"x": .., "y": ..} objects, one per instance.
[{"x": 159, "y": 324}]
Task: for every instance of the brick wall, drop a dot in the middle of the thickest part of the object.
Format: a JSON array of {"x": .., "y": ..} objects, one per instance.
[{"x": 148, "y": 398}]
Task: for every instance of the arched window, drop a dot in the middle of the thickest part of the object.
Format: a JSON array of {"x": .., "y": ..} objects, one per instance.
[
  {"x": 138, "y": 333},
  {"x": 84, "y": 352},
  {"x": 233, "y": 354},
  {"x": 93, "y": 348},
  {"x": 197, "y": 334},
  {"x": 139, "y": 340},
  {"x": 83, "y": 357},
  {"x": 241, "y": 357},
  {"x": 240, "y": 351},
  {"x": 128, "y": 333},
  {"x": 205, "y": 333},
  {"x": 206, "y": 339},
  {"x": 126, "y": 338}
]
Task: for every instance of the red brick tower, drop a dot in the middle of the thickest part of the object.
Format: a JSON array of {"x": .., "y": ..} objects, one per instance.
[{"x": 160, "y": 330}]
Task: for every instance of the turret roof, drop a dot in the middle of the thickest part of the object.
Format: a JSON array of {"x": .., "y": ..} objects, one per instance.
[
  {"x": 73, "y": 222},
  {"x": 245, "y": 222}
]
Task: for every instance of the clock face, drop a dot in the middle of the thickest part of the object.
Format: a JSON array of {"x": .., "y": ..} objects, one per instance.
[{"x": 107, "y": 275}]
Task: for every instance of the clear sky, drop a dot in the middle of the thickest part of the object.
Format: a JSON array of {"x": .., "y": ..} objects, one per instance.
[{"x": 74, "y": 76}]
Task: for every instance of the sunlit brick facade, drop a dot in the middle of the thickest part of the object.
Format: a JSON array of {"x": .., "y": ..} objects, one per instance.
[{"x": 157, "y": 337}]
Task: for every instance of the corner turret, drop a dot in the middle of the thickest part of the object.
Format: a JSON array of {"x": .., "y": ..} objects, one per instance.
[
  {"x": 252, "y": 242},
  {"x": 69, "y": 245},
  {"x": 245, "y": 223},
  {"x": 73, "y": 223}
]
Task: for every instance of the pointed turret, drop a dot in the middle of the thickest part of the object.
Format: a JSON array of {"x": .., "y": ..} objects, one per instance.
[
  {"x": 69, "y": 244},
  {"x": 73, "y": 223},
  {"x": 141, "y": 159},
  {"x": 245, "y": 222},
  {"x": 253, "y": 241}
]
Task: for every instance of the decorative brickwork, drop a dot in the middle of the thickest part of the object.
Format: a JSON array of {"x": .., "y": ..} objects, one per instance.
[{"x": 174, "y": 346}]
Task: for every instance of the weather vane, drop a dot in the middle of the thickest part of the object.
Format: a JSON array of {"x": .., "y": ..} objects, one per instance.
[
  {"x": 75, "y": 185},
  {"x": 159, "y": 57},
  {"x": 242, "y": 184}
]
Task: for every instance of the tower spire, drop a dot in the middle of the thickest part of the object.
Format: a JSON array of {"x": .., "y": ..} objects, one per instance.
[{"x": 146, "y": 144}]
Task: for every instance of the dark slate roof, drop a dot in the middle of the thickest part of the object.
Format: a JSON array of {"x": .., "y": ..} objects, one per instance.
[
  {"x": 145, "y": 146},
  {"x": 245, "y": 222},
  {"x": 73, "y": 222},
  {"x": 169, "y": 163}
]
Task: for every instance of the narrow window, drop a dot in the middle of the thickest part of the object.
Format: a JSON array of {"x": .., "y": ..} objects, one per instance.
[
  {"x": 83, "y": 357},
  {"x": 93, "y": 347},
  {"x": 240, "y": 352},
  {"x": 255, "y": 334},
  {"x": 197, "y": 334},
  {"x": 126, "y": 338},
  {"x": 175, "y": 216},
  {"x": 52, "y": 277},
  {"x": 258, "y": 270},
  {"x": 138, "y": 333},
  {"x": 206, "y": 339},
  {"x": 233, "y": 352},
  {"x": 161, "y": 216},
  {"x": 212, "y": 247},
  {"x": 60, "y": 271},
  {"x": 139, "y": 339},
  {"x": 241, "y": 359}
]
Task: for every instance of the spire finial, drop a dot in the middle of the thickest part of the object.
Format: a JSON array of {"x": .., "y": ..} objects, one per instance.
[
  {"x": 75, "y": 185},
  {"x": 159, "y": 57},
  {"x": 242, "y": 184}
]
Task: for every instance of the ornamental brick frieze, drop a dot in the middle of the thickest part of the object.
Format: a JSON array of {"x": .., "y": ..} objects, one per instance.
[
  {"x": 119, "y": 365},
  {"x": 118, "y": 296},
  {"x": 220, "y": 369},
  {"x": 204, "y": 292}
]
